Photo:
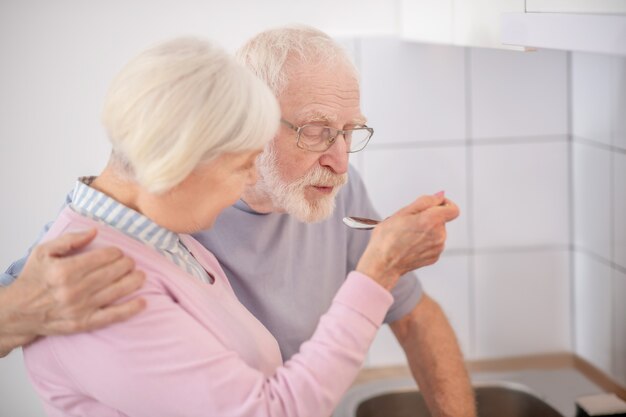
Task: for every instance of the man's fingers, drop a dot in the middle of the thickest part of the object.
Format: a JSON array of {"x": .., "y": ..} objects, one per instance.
[
  {"x": 422, "y": 203},
  {"x": 68, "y": 242},
  {"x": 122, "y": 288},
  {"x": 106, "y": 275},
  {"x": 114, "y": 314},
  {"x": 91, "y": 260},
  {"x": 449, "y": 210},
  {"x": 99, "y": 310}
]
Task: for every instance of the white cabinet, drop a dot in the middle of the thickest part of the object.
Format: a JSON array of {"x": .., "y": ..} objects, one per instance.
[
  {"x": 576, "y": 6},
  {"x": 579, "y": 25},
  {"x": 597, "y": 26},
  {"x": 457, "y": 22}
]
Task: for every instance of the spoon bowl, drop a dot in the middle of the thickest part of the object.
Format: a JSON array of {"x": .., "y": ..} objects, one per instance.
[{"x": 360, "y": 223}]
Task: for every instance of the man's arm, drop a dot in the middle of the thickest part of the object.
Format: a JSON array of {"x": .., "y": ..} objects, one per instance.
[
  {"x": 436, "y": 360},
  {"x": 61, "y": 292}
]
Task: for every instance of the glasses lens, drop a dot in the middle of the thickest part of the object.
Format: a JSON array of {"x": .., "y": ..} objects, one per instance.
[
  {"x": 319, "y": 138},
  {"x": 315, "y": 138},
  {"x": 358, "y": 140}
]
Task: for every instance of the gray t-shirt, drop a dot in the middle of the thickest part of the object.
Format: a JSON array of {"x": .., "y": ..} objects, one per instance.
[{"x": 287, "y": 272}]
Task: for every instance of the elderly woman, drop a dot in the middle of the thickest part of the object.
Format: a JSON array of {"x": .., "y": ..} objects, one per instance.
[{"x": 186, "y": 124}]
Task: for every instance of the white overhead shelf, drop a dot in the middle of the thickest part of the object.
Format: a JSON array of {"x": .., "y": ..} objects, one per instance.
[{"x": 599, "y": 33}]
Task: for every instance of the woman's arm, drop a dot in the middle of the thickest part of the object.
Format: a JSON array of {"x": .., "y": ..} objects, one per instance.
[
  {"x": 164, "y": 362},
  {"x": 61, "y": 292}
]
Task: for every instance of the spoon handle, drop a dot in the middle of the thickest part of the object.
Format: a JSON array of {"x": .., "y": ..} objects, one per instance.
[
  {"x": 360, "y": 223},
  {"x": 363, "y": 223}
]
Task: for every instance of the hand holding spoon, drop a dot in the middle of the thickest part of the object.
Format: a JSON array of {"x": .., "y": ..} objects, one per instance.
[
  {"x": 360, "y": 223},
  {"x": 363, "y": 223}
]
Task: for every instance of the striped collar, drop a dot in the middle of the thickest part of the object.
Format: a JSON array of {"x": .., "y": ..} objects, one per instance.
[{"x": 98, "y": 206}]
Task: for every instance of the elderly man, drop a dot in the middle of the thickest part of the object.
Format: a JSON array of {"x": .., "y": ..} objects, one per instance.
[{"x": 283, "y": 245}]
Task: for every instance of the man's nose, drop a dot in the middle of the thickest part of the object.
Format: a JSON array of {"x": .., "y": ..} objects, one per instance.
[{"x": 336, "y": 157}]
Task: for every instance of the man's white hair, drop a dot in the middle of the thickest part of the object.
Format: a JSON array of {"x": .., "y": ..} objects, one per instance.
[
  {"x": 181, "y": 104},
  {"x": 271, "y": 53}
]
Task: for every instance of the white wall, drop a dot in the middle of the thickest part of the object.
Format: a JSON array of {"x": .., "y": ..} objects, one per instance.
[
  {"x": 533, "y": 147},
  {"x": 57, "y": 59},
  {"x": 490, "y": 127},
  {"x": 599, "y": 179}
]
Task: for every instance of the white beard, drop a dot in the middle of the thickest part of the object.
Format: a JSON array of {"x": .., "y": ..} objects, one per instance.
[{"x": 291, "y": 197}]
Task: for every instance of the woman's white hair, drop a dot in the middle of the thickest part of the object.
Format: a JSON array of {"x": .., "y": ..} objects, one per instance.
[
  {"x": 181, "y": 104},
  {"x": 270, "y": 53}
]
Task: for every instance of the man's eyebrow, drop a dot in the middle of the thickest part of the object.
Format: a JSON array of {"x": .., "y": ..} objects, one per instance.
[
  {"x": 316, "y": 116},
  {"x": 361, "y": 120}
]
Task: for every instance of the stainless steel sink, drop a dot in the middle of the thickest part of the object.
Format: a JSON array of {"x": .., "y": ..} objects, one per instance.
[{"x": 503, "y": 400}]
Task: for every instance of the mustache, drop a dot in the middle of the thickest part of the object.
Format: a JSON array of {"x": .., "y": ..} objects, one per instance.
[{"x": 323, "y": 177}]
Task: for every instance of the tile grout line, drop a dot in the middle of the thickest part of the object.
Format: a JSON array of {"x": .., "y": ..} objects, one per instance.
[
  {"x": 571, "y": 198},
  {"x": 600, "y": 259},
  {"x": 498, "y": 250},
  {"x": 598, "y": 145},
  {"x": 469, "y": 168},
  {"x": 613, "y": 270},
  {"x": 612, "y": 234},
  {"x": 495, "y": 141}
]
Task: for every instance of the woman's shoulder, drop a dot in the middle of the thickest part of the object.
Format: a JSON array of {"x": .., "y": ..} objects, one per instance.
[{"x": 69, "y": 221}]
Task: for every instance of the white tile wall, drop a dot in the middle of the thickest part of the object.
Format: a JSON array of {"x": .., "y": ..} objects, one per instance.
[
  {"x": 356, "y": 160},
  {"x": 517, "y": 192},
  {"x": 599, "y": 175},
  {"x": 412, "y": 92},
  {"x": 385, "y": 350},
  {"x": 591, "y": 96},
  {"x": 619, "y": 209},
  {"x": 396, "y": 177},
  {"x": 619, "y": 102},
  {"x": 592, "y": 199},
  {"x": 518, "y": 94},
  {"x": 448, "y": 283},
  {"x": 522, "y": 303},
  {"x": 512, "y": 126},
  {"x": 593, "y": 315},
  {"x": 619, "y": 327},
  {"x": 520, "y": 194}
]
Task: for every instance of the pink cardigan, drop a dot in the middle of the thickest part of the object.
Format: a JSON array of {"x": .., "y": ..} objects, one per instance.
[{"x": 197, "y": 351}]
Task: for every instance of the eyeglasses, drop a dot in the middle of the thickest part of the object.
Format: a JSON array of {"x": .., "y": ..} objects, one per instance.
[{"x": 318, "y": 138}]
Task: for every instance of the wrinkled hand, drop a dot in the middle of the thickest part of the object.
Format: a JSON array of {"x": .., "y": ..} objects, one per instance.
[
  {"x": 413, "y": 237},
  {"x": 60, "y": 292}
]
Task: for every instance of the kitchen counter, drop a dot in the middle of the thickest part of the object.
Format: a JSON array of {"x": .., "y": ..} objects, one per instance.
[{"x": 557, "y": 379}]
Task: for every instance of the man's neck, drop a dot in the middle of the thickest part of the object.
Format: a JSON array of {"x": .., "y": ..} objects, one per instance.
[{"x": 259, "y": 200}]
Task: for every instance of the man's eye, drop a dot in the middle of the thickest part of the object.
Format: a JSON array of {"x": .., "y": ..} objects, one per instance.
[{"x": 313, "y": 131}]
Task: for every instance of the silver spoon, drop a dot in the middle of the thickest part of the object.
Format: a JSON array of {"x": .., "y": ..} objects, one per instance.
[
  {"x": 360, "y": 223},
  {"x": 363, "y": 223}
]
